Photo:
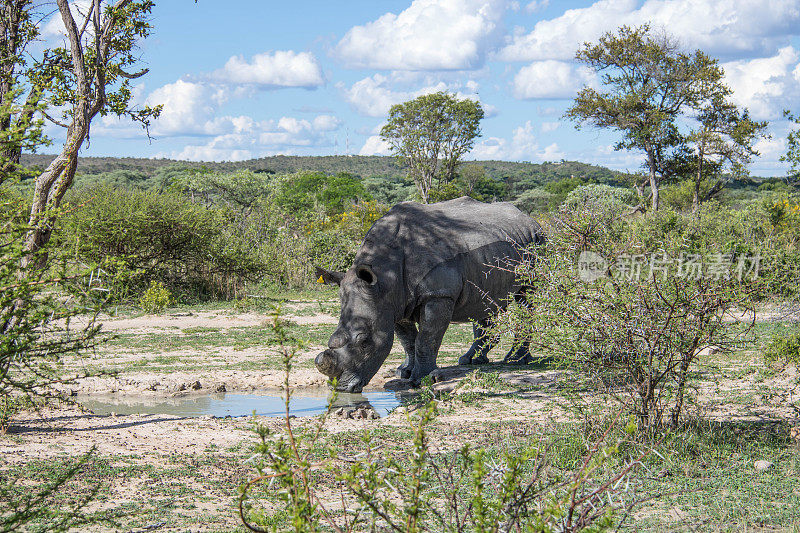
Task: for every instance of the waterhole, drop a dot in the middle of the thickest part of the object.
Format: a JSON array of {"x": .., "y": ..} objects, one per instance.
[{"x": 268, "y": 403}]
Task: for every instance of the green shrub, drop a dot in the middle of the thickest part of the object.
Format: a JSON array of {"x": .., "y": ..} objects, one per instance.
[
  {"x": 784, "y": 349},
  {"x": 600, "y": 197},
  {"x": 142, "y": 236},
  {"x": 156, "y": 298},
  {"x": 307, "y": 192},
  {"x": 597, "y": 307},
  {"x": 535, "y": 200}
]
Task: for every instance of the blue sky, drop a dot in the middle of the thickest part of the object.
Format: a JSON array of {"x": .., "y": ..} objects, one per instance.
[{"x": 247, "y": 79}]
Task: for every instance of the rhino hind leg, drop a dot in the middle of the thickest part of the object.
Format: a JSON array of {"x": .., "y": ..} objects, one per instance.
[
  {"x": 476, "y": 355},
  {"x": 406, "y": 331},
  {"x": 521, "y": 355}
]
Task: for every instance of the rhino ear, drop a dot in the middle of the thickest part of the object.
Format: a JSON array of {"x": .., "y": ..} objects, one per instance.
[{"x": 331, "y": 278}]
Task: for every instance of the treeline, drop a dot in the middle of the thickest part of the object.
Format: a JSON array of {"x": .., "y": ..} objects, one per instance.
[{"x": 360, "y": 166}]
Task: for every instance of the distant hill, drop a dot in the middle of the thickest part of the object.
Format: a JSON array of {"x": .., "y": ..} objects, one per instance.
[{"x": 361, "y": 166}]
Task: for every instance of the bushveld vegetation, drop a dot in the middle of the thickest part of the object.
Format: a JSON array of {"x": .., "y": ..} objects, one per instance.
[{"x": 156, "y": 234}]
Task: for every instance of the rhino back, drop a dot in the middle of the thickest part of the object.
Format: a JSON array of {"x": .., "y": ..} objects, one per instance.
[{"x": 426, "y": 236}]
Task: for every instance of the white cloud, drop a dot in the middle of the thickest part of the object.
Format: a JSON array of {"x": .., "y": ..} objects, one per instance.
[
  {"x": 281, "y": 68},
  {"x": 428, "y": 35},
  {"x": 550, "y": 79},
  {"x": 189, "y": 109},
  {"x": 522, "y": 146},
  {"x": 767, "y": 85},
  {"x": 550, "y": 126},
  {"x": 537, "y": 5},
  {"x": 719, "y": 27},
  {"x": 375, "y": 146},
  {"x": 326, "y": 123},
  {"x": 770, "y": 150},
  {"x": 374, "y": 96},
  {"x": 551, "y": 153},
  {"x": 287, "y": 135}
]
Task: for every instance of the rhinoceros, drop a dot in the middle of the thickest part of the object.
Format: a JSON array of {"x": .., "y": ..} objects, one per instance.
[{"x": 426, "y": 265}]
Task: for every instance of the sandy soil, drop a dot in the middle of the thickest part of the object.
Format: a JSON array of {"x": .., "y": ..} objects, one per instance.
[{"x": 159, "y": 440}]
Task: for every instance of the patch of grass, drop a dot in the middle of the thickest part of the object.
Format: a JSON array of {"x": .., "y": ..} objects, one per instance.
[{"x": 203, "y": 338}]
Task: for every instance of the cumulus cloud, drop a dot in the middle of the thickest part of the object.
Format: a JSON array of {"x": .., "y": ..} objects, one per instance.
[
  {"x": 551, "y": 79},
  {"x": 286, "y": 135},
  {"x": 536, "y": 5},
  {"x": 767, "y": 85},
  {"x": 281, "y": 68},
  {"x": 428, "y": 35},
  {"x": 522, "y": 146},
  {"x": 189, "y": 108},
  {"x": 374, "y": 96},
  {"x": 375, "y": 146},
  {"x": 719, "y": 27}
]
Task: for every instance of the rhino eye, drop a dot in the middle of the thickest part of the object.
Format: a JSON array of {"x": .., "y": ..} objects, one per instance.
[{"x": 366, "y": 274}]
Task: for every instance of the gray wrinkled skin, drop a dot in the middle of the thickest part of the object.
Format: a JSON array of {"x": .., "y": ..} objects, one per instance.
[{"x": 420, "y": 268}]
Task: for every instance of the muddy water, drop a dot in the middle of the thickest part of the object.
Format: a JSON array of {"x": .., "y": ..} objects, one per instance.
[{"x": 308, "y": 402}]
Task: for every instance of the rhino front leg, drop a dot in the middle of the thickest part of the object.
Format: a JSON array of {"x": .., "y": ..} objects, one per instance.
[
  {"x": 434, "y": 318},
  {"x": 406, "y": 331},
  {"x": 476, "y": 355}
]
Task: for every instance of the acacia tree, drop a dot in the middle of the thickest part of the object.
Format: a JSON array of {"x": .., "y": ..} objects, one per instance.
[
  {"x": 647, "y": 86},
  {"x": 430, "y": 134},
  {"x": 792, "y": 155},
  {"x": 721, "y": 145},
  {"x": 19, "y": 129},
  {"x": 68, "y": 85},
  {"x": 86, "y": 77}
]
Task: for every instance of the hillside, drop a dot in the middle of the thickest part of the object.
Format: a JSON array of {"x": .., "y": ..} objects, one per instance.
[{"x": 361, "y": 166}]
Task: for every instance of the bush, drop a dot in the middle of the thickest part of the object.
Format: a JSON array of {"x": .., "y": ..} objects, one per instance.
[
  {"x": 599, "y": 196},
  {"x": 309, "y": 192},
  {"x": 536, "y": 200},
  {"x": 784, "y": 349},
  {"x": 144, "y": 236},
  {"x": 156, "y": 298},
  {"x": 635, "y": 312}
]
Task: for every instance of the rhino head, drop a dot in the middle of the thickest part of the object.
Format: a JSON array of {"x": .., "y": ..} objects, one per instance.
[{"x": 364, "y": 336}]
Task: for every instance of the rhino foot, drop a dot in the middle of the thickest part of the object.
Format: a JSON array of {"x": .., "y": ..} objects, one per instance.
[
  {"x": 357, "y": 412},
  {"x": 516, "y": 359},
  {"x": 467, "y": 359},
  {"x": 437, "y": 376}
]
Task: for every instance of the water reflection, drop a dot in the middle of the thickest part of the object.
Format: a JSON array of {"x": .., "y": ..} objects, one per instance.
[{"x": 304, "y": 402}]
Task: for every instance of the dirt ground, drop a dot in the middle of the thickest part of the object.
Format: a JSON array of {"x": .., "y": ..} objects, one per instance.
[{"x": 153, "y": 450}]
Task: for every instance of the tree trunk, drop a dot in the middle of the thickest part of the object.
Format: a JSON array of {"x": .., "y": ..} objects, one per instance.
[
  {"x": 698, "y": 178},
  {"x": 653, "y": 174}
]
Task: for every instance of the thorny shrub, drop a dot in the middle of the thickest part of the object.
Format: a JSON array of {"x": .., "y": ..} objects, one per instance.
[
  {"x": 312, "y": 486},
  {"x": 614, "y": 300}
]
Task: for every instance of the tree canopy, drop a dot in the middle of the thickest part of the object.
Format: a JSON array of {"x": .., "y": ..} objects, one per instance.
[
  {"x": 649, "y": 90},
  {"x": 430, "y": 134}
]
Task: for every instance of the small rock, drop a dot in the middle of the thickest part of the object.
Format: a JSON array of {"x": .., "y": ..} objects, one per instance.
[
  {"x": 196, "y": 386},
  {"x": 182, "y": 387},
  {"x": 794, "y": 433},
  {"x": 220, "y": 388},
  {"x": 762, "y": 465}
]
